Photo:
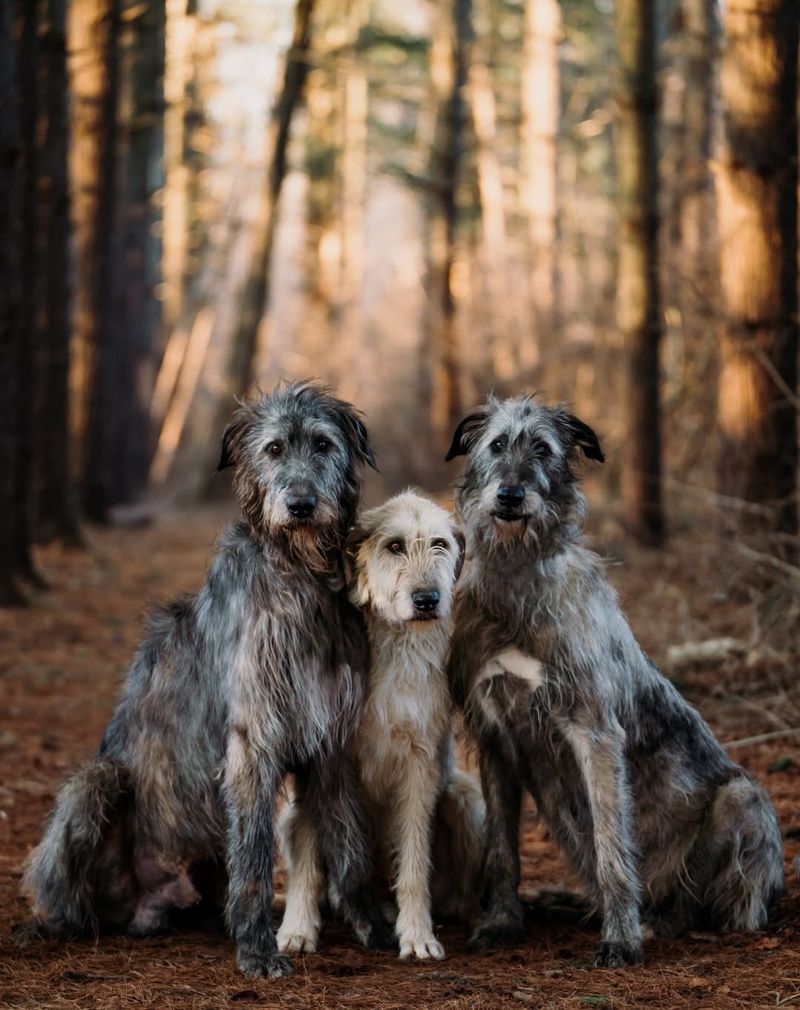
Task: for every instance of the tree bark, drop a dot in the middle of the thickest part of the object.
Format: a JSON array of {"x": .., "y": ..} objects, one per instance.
[
  {"x": 757, "y": 200},
  {"x": 449, "y": 47},
  {"x": 255, "y": 294},
  {"x": 93, "y": 41},
  {"x": 638, "y": 299},
  {"x": 140, "y": 341},
  {"x": 56, "y": 507},
  {"x": 12, "y": 568},
  {"x": 540, "y": 106}
]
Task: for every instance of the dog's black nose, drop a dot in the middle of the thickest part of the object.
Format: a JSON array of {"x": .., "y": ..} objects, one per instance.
[
  {"x": 510, "y": 496},
  {"x": 426, "y": 600},
  {"x": 301, "y": 506}
]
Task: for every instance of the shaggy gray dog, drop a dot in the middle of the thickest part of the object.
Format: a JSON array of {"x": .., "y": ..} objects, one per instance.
[
  {"x": 260, "y": 673},
  {"x": 650, "y": 811}
]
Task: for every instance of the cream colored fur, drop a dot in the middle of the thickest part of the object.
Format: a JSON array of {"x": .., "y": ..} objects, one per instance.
[{"x": 404, "y": 746}]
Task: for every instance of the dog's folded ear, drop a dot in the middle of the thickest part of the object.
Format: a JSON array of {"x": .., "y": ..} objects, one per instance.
[
  {"x": 467, "y": 433},
  {"x": 584, "y": 438},
  {"x": 355, "y": 538},
  {"x": 461, "y": 540},
  {"x": 231, "y": 438},
  {"x": 356, "y": 433}
]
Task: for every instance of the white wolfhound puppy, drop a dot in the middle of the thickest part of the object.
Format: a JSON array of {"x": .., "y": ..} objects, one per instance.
[{"x": 403, "y": 561}]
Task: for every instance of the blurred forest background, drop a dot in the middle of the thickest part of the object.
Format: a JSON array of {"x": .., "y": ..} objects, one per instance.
[{"x": 416, "y": 203}]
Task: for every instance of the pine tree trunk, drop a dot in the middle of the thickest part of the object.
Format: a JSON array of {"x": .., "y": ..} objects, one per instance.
[
  {"x": 140, "y": 343},
  {"x": 448, "y": 78},
  {"x": 254, "y": 296},
  {"x": 94, "y": 27},
  {"x": 11, "y": 570},
  {"x": 55, "y": 499},
  {"x": 757, "y": 202},
  {"x": 540, "y": 118},
  {"x": 638, "y": 300}
]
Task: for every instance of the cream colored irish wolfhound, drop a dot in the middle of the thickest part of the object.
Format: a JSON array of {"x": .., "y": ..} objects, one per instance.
[{"x": 404, "y": 558}]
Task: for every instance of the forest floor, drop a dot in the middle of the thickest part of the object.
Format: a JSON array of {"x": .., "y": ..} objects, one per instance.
[{"x": 61, "y": 663}]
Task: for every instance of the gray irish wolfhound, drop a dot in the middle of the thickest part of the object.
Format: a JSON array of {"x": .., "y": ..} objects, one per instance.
[
  {"x": 260, "y": 673},
  {"x": 404, "y": 558},
  {"x": 651, "y": 812}
]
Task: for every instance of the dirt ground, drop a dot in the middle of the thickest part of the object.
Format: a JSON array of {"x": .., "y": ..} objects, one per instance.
[{"x": 62, "y": 660}]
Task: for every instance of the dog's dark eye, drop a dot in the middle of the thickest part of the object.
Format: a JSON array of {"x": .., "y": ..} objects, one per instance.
[
  {"x": 497, "y": 446},
  {"x": 396, "y": 547},
  {"x": 274, "y": 448},
  {"x": 439, "y": 545},
  {"x": 323, "y": 444}
]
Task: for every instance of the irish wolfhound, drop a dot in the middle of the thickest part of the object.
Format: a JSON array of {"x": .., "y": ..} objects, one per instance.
[
  {"x": 651, "y": 812},
  {"x": 405, "y": 557},
  {"x": 259, "y": 673}
]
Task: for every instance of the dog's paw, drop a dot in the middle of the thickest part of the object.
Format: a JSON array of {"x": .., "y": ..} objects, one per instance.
[
  {"x": 298, "y": 940},
  {"x": 263, "y": 965},
  {"x": 505, "y": 931},
  {"x": 423, "y": 947},
  {"x": 617, "y": 954}
]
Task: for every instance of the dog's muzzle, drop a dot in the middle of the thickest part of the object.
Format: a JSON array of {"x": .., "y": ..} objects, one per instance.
[
  {"x": 509, "y": 503},
  {"x": 301, "y": 506},
  {"x": 426, "y": 604}
]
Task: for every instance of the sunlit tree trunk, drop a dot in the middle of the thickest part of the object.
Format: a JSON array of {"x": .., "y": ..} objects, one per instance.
[
  {"x": 540, "y": 118},
  {"x": 638, "y": 301},
  {"x": 10, "y": 318},
  {"x": 55, "y": 508},
  {"x": 494, "y": 256},
  {"x": 94, "y": 51},
  {"x": 355, "y": 94},
  {"x": 451, "y": 34},
  {"x": 757, "y": 200}
]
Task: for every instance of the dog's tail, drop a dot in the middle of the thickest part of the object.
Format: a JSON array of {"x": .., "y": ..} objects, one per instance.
[
  {"x": 460, "y": 846},
  {"x": 62, "y": 875}
]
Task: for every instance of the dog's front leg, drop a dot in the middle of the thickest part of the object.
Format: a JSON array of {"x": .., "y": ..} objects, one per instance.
[
  {"x": 502, "y": 922},
  {"x": 599, "y": 750},
  {"x": 249, "y": 788},
  {"x": 330, "y": 792},
  {"x": 412, "y": 821},
  {"x": 299, "y": 932}
]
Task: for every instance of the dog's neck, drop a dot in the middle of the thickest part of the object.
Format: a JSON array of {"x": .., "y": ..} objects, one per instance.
[{"x": 527, "y": 549}]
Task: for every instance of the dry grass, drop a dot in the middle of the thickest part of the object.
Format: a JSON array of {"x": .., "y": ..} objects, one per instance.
[{"x": 61, "y": 663}]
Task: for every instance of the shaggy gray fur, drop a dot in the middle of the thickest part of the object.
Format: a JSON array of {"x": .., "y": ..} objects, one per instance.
[
  {"x": 653, "y": 815},
  {"x": 260, "y": 673}
]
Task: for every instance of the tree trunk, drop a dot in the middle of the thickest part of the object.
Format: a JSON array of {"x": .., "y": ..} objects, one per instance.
[
  {"x": 254, "y": 296},
  {"x": 93, "y": 41},
  {"x": 29, "y": 253},
  {"x": 11, "y": 571},
  {"x": 757, "y": 199},
  {"x": 449, "y": 47},
  {"x": 540, "y": 105},
  {"x": 354, "y": 186},
  {"x": 638, "y": 300},
  {"x": 55, "y": 499},
  {"x": 140, "y": 343}
]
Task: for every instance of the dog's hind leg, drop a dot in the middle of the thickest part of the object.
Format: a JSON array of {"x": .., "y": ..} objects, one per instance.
[
  {"x": 66, "y": 874},
  {"x": 599, "y": 752},
  {"x": 299, "y": 931},
  {"x": 460, "y": 848},
  {"x": 744, "y": 845},
  {"x": 502, "y": 922},
  {"x": 329, "y": 789}
]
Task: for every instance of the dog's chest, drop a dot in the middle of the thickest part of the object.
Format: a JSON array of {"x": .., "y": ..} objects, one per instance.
[{"x": 509, "y": 685}]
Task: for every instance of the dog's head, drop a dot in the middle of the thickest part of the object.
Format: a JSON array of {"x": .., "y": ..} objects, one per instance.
[
  {"x": 297, "y": 455},
  {"x": 403, "y": 559},
  {"x": 520, "y": 482}
]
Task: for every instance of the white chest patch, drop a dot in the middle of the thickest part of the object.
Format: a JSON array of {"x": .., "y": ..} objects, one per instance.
[{"x": 512, "y": 662}]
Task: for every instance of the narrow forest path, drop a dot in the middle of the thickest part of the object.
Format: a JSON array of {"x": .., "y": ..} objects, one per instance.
[{"x": 61, "y": 663}]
